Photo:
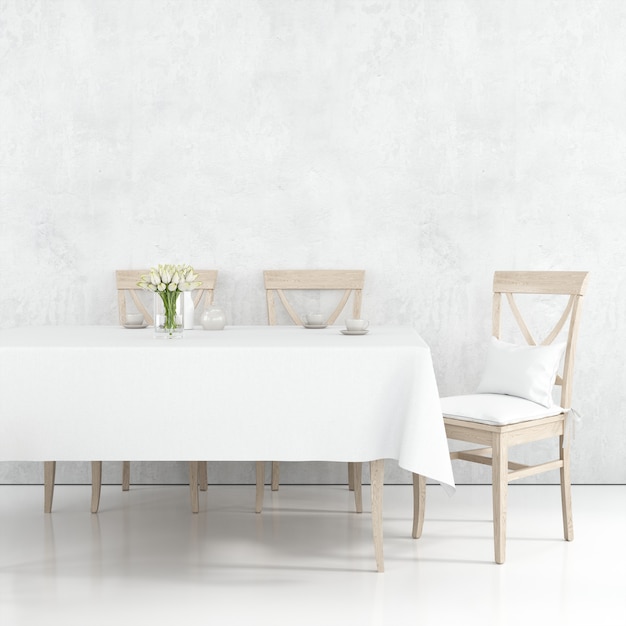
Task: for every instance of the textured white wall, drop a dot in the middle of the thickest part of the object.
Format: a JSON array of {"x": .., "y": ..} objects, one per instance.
[{"x": 429, "y": 142}]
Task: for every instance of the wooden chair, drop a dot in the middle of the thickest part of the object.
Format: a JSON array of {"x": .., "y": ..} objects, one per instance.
[
  {"x": 126, "y": 282},
  {"x": 517, "y": 420},
  {"x": 277, "y": 283}
]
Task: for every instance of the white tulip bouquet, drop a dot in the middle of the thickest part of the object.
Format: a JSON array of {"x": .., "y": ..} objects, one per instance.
[{"x": 169, "y": 281}]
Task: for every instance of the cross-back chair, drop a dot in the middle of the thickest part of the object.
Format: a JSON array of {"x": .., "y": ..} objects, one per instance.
[
  {"x": 127, "y": 289},
  {"x": 280, "y": 285},
  {"x": 514, "y": 403}
]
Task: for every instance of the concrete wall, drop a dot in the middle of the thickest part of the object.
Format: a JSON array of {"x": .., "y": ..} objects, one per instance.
[{"x": 429, "y": 142}]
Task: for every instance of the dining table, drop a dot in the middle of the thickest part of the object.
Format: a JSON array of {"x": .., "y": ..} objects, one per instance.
[{"x": 245, "y": 393}]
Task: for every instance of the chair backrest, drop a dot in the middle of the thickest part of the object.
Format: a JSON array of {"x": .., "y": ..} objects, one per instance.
[
  {"x": 127, "y": 285},
  {"x": 572, "y": 284},
  {"x": 277, "y": 282}
]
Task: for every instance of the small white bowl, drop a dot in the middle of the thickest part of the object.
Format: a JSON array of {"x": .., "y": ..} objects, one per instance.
[{"x": 134, "y": 319}]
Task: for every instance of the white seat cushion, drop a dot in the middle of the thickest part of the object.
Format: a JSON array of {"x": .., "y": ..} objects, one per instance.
[{"x": 493, "y": 408}]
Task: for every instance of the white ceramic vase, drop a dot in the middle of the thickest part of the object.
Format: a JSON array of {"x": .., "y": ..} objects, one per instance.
[
  {"x": 188, "y": 311},
  {"x": 213, "y": 319}
]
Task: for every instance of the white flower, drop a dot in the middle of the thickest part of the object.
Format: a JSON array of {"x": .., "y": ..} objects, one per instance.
[
  {"x": 146, "y": 284},
  {"x": 187, "y": 286},
  {"x": 166, "y": 272},
  {"x": 168, "y": 277},
  {"x": 189, "y": 276}
]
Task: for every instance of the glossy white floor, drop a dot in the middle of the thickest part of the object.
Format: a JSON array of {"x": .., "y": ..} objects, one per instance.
[{"x": 308, "y": 559}]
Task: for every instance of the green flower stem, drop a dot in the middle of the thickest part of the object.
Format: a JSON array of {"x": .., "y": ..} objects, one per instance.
[{"x": 169, "y": 304}]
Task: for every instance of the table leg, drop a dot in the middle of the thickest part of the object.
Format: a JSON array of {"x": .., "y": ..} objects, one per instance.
[
  {"x": 419, "y": 504},
  {"x": 377, "y": 471}
]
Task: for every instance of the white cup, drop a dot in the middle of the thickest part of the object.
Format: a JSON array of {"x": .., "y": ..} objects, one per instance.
[
  {"x": 357, "y": 324},
  {"x": 134, "y": 319},
  {"x": 314, "y": 319}
]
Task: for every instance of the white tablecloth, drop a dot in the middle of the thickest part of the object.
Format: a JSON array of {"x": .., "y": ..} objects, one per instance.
[{"x": 243, "y": 394}]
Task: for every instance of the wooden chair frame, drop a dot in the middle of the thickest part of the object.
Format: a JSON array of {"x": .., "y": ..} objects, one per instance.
[
  {"x": 126, "y": 283},
  {"x": 498, "y": 439},
  {"x": 278, "y": 283}
]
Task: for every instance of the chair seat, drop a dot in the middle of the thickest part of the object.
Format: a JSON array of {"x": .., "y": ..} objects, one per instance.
[{"x": 493, "y": 408}]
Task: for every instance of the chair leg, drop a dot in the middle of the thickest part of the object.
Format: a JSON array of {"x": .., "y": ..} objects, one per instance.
[
  {"x": 96, "y": 485},
  {"x": 275, "y": 475},
  {"x": 351, "y": 476},
  {"x": 203, "y": 476},
  {"x": 125, "y": 475},
  {"x": 357, "y": 471},
  {"x": 49, "y": 470},
  {"x": 500, "y": 469},
  {"x": 260, "y": 485},
  {"x": 193, "y": 486},
  {"x": 419, "y": 504},
  {"x": 566, "y": 492}
]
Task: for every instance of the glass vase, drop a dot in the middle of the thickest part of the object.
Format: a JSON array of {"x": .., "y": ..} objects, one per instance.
[{"x": 168, "y": 315}]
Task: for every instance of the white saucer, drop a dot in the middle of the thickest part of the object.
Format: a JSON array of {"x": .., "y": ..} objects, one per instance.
[
  {"x": 355, "y": 332},
  {"x": 315, "y": 325},
  {"x": 144, "y": 325}
]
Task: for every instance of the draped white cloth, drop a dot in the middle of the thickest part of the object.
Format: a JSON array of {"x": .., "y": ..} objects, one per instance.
[{"x": 247, "y": 393}]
